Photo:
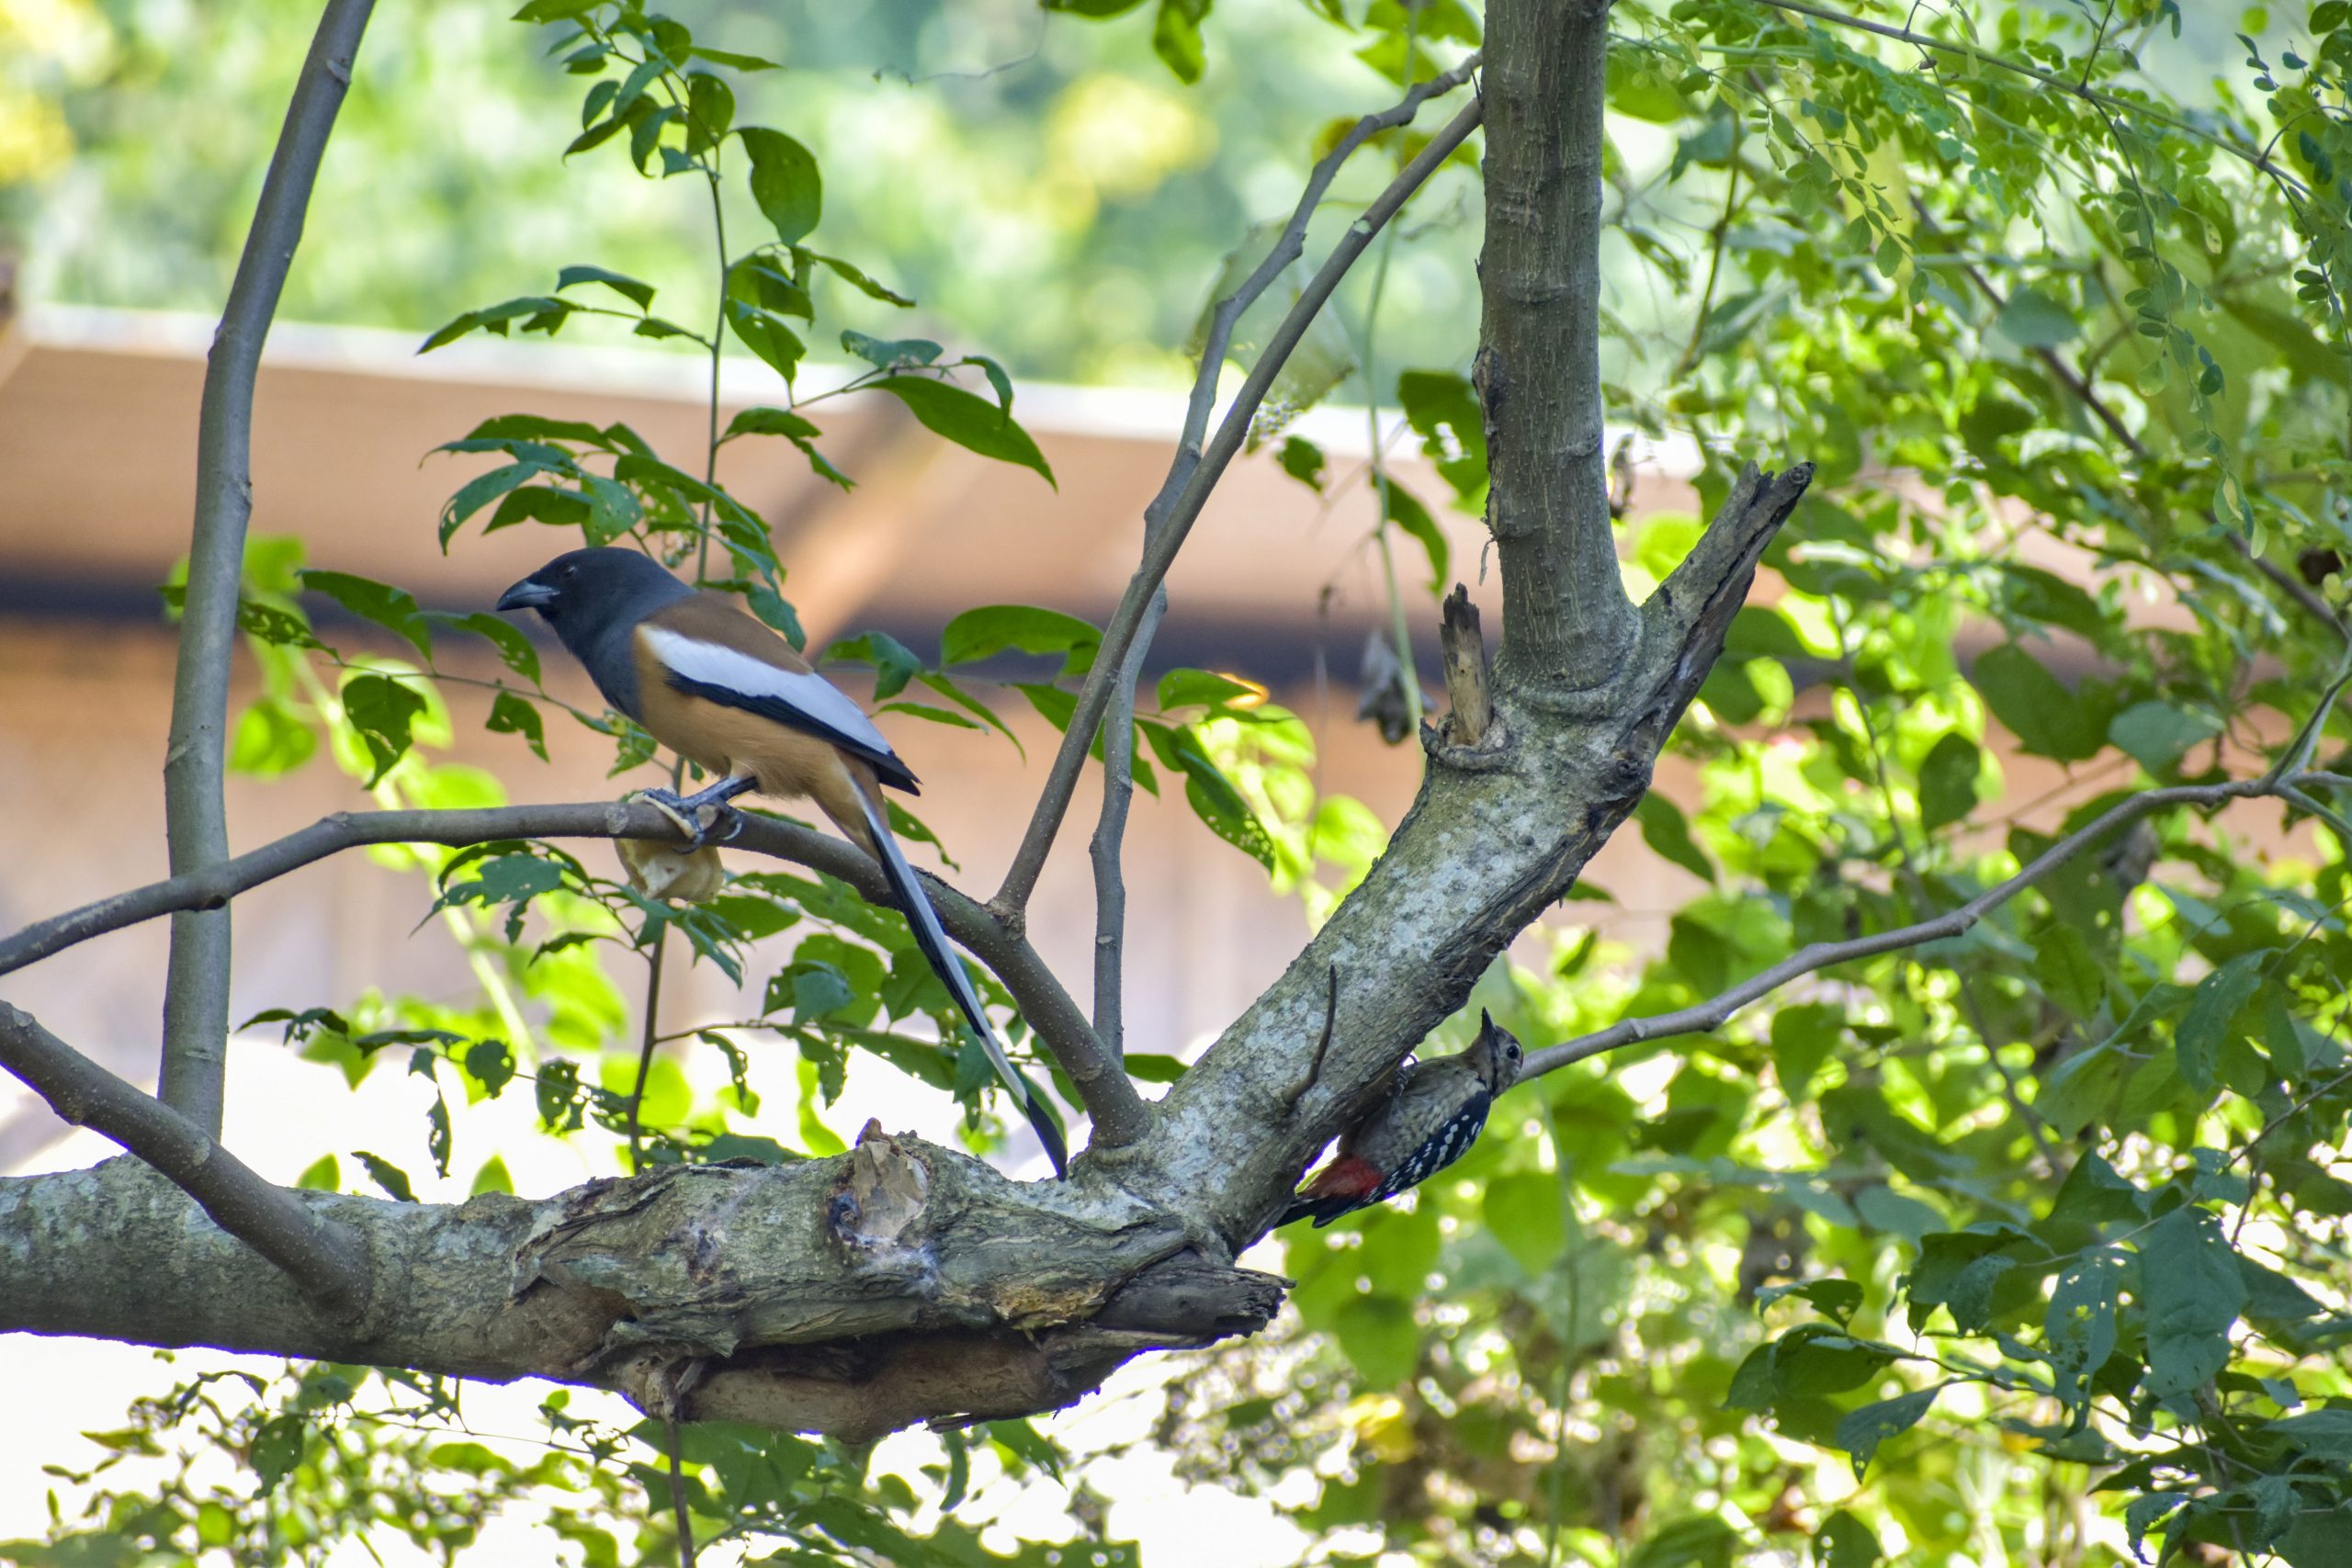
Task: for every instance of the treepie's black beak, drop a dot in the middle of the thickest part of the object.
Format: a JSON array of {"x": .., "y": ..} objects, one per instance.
[{"x": 526, "y": 594}]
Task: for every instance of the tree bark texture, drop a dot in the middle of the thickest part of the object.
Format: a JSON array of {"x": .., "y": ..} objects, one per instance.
[{"x": 1566, "y": 619}]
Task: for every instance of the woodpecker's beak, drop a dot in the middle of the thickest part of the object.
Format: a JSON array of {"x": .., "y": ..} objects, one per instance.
[{"x": 528, "y": 594}]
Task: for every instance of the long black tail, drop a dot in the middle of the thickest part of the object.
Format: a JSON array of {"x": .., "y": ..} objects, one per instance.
[{"x": 932, "y": 939}]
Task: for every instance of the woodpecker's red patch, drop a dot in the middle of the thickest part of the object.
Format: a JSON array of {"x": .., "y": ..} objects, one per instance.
[{"x": 1347, "y": 1176}]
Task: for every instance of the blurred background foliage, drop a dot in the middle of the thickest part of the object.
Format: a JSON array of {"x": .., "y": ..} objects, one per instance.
[{"x": 1041, "y": 185}]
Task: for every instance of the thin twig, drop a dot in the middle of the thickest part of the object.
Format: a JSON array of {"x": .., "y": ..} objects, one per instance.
[
  {"x": 1120, "y": 1115},
  {"x": 1689, "y": 355},
  {"x": 1322, "y": 1043},
  {"x": 1110, "y": 834},
  {"x": 1195, "y": 472},
  {"x": 678, "y": 1498},
  {"x": 328, "y": 1261},
  {"x": 652, "y": 1039},
  {"x": 1713, "y": 1014},
  {"x": 196, "y": 987}
]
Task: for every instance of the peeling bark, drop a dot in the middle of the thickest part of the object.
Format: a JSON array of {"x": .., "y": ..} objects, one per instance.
[{"x": 900, "y": 1282}]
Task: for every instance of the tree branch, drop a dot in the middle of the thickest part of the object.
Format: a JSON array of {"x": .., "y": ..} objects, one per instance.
[
  {"x": 1195, "y": 472},
  {"x": 1110, "y": 1099},
  {"x": 856, "y": 1295},
  {"x": 1566, "y": 622},
  {"x": 195, "y": 995},
  {"x": 326, "y": 1260},
  {"x": 1816, "y": 956},
  {"x": 1110, "y": 834}
]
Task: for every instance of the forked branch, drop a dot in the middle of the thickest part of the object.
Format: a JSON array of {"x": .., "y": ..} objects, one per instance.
[
  {"x": 324, "y": 1259},
  {"x": 1195, "y": 472}
]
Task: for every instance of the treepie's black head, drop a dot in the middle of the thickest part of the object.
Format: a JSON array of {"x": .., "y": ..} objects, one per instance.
[
  {"x": 585, "y": 592},
  {"x": 1496, "y": 1053}
]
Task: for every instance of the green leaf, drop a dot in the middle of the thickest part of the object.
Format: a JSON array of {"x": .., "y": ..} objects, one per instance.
[
  {"x": 733, "y": 61},
  {"x": 1816, "y": 1359},
  {"x": 491, "y": 1064},
  {"x": 971, "y": 421},
  {"x": 271, "y": 739},
  {"x": 2212, "y": 1008},
  {"x": 380, "y": 711},
  {"x": 2033, "y": 320},
  {"x": 765, "y": 334},
  {"x": 2323, "y": 1433},
  {"x": 1024, "y": 1442},
  {"x": 801, "y": 433},
  {"x": 894, "y": 662},
  {"x": 1861, "y": 1432},
  {"x": 2068, "y": 973},
  {"x": 513, "y": 644},
  {"x": 2078, "y": 1329},
  {"x": 2158, "y": 734},
  {"x": 1667, "y": 833},
  {"x": 1838, "y": 1298},
  {"x": 757, "y": 280},
  {"x": 1803, "y": 1036},
  {"x": 1027, "y": 628},
  {"x": 1379, "y": 1335},
  {"x": 394, "y": 609},
  {"x": 321, "y": 1175},
  {"x": 1695, "y": 1541},
  {"x": 1176, "y": 37},
  {"x": 858, "y": 279},
  {"x": 891, "y": 354},
  {"x": 784, "y": 182},
  {"x": 817, "y": 989},
  {"x": 2046, "y": 719},
  {"x": 511, "y": 715},
  {"x": 1525, "y": 1212},
  {"x": 1403, "y": 508},
  {"x": 1948, "y": 780},
  {"x": 2191, "y": 1290},
  {"x": 1302, "y": 460},
  {"x": 770, "y": 422},
  {"x": 2079, "y": 1089},
  {"x": 1844, "y": 1542},
  {"x": 637, "y": 293},
  {"x": 1442, "y": 409},
  {"x": 385, "y": 1175},
  {"x": 1187, "y": 688},
  {"x": 2044, "y": 596}
]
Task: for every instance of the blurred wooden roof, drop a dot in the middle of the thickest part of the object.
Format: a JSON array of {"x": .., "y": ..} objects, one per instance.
[{"x": 97, "y": 436}]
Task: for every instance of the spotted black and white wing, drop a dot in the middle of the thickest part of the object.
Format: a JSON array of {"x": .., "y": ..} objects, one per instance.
[{"x": 1448, "y": 1142}]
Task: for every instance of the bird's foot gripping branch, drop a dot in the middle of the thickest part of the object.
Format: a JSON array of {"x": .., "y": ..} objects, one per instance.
[{"x": 900, "y": 1284}]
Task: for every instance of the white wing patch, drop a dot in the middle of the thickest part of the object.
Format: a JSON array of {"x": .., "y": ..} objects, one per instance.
[{"x": 713, "y": 665}]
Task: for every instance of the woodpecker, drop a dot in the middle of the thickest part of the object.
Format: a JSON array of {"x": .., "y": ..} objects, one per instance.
[{"x": 1431, "y": 1114}]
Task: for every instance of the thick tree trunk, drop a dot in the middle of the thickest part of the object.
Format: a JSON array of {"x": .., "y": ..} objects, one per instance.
[{"x": 1567, "y": 623}]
